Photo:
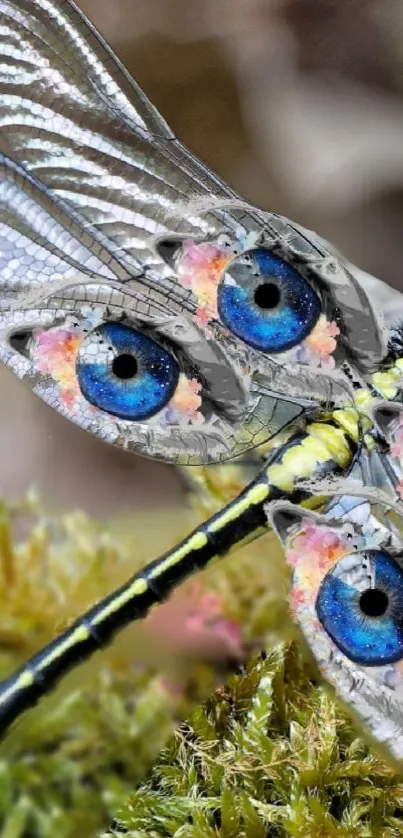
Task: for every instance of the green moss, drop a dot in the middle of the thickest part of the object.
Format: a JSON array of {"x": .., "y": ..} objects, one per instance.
[
  {"x": 267, "y": 755},
  {"x": 65, "y": 774},
  {"x": 70, "y": 763}
]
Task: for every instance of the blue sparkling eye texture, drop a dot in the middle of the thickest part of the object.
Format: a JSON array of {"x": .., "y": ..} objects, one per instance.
[
  {"x": 266, "y": 303},
  {"x": 125, "y": 373},
  {"x": 360, "y": 606}
]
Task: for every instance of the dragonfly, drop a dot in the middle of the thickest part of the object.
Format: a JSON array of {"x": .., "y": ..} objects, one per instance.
[{"x": 146, "y": 301}]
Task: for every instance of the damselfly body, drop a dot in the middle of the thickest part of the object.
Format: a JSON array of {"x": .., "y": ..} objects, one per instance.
[{"x": 152, "y": 306}]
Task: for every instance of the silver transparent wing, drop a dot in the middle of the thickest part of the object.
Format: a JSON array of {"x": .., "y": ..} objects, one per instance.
[
  {"x": 90, "y": 150},
  {"x": 50, "y": 268},
  {"x": 383, "y": 297},
  {"x": 40, "y": 241},
  {"x": 72, "y": 116}
]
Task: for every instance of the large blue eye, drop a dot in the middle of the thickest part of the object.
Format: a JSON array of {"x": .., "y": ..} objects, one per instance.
[
  {"x": 360, "y": 605},
  {"x": 125, "y": 373},
  {"x": 266, "y": 303}
]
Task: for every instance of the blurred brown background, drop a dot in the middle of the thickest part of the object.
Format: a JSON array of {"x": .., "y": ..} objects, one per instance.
[{"x": 298, "y": 104}]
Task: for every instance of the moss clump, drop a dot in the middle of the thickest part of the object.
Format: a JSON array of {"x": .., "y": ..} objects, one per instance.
[
  {"x": 70, "y": 763},
  {"x": 267, "y": 755},
  {"x": 65, "y": 774}
]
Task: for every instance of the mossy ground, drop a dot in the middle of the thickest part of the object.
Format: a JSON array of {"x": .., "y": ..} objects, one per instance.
[
  {"x": 269, "y": 754},
  {"x": 265, "y": 753}
]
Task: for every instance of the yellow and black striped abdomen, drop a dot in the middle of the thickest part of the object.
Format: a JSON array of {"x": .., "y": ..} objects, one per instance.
[{"x": 324, "y": 448}]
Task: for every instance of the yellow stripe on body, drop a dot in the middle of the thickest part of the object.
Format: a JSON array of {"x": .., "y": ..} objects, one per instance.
[
  {"x": 195, "y": 542},
  {"x": 138, "y": 587},
  {"x": 351, "y": 420},
  {"x": 363, "y": 398},
  {"x": 80, "y": 635},
  {"x": 321, "y": 444},
  {"x": 258, "y": 493},
  {"x": 23, "y": 682},
  {"x": 387, "y": 382}
]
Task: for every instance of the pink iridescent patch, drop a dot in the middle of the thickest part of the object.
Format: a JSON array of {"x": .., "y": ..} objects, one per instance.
[
  {"x": 55, "y": 353},
  {"x": 396, "y": 449},
  {"x": 318, "y": 348},
  {"x": 312, "y": 554},
  {"x": 200, "y": 269},
  {"x": 184, "y": 407}
]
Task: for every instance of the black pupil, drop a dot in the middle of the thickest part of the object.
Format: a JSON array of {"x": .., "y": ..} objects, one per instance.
[
  {"x": 267, "y": 295},
  {"x": 124, "y": 366},
  {"x": 373, "y": 602}
]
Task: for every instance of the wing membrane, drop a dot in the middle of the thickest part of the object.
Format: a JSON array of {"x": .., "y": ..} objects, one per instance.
[
  {"x": 89, "y": 174},
  {"x": 46, "y": 255},
  {"x": 71, "y": 115},
  {"x": 32, "y": 223},
  {"x": 51, "y": 50}
]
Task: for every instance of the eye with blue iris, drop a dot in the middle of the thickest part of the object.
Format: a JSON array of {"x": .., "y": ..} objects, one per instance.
[
  {"x": 126, "y": 373},
  {"x": 266, "y": 303},
  {"x": 360, "y": 606}
]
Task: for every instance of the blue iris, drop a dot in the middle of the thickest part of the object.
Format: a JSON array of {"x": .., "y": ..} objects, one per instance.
[
  {"x": 266, "y": 303},
  {"x": 366, "y": 624},
  {"x": 126, "y": 373}
]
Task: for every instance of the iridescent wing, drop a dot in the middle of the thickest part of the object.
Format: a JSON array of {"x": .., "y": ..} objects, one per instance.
[
  {"x": 91, "y": 176},
  {"x": 56, "y": 284},
  {"x": 71, "y": 115},
  {"x": 135, "y": 251}
]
